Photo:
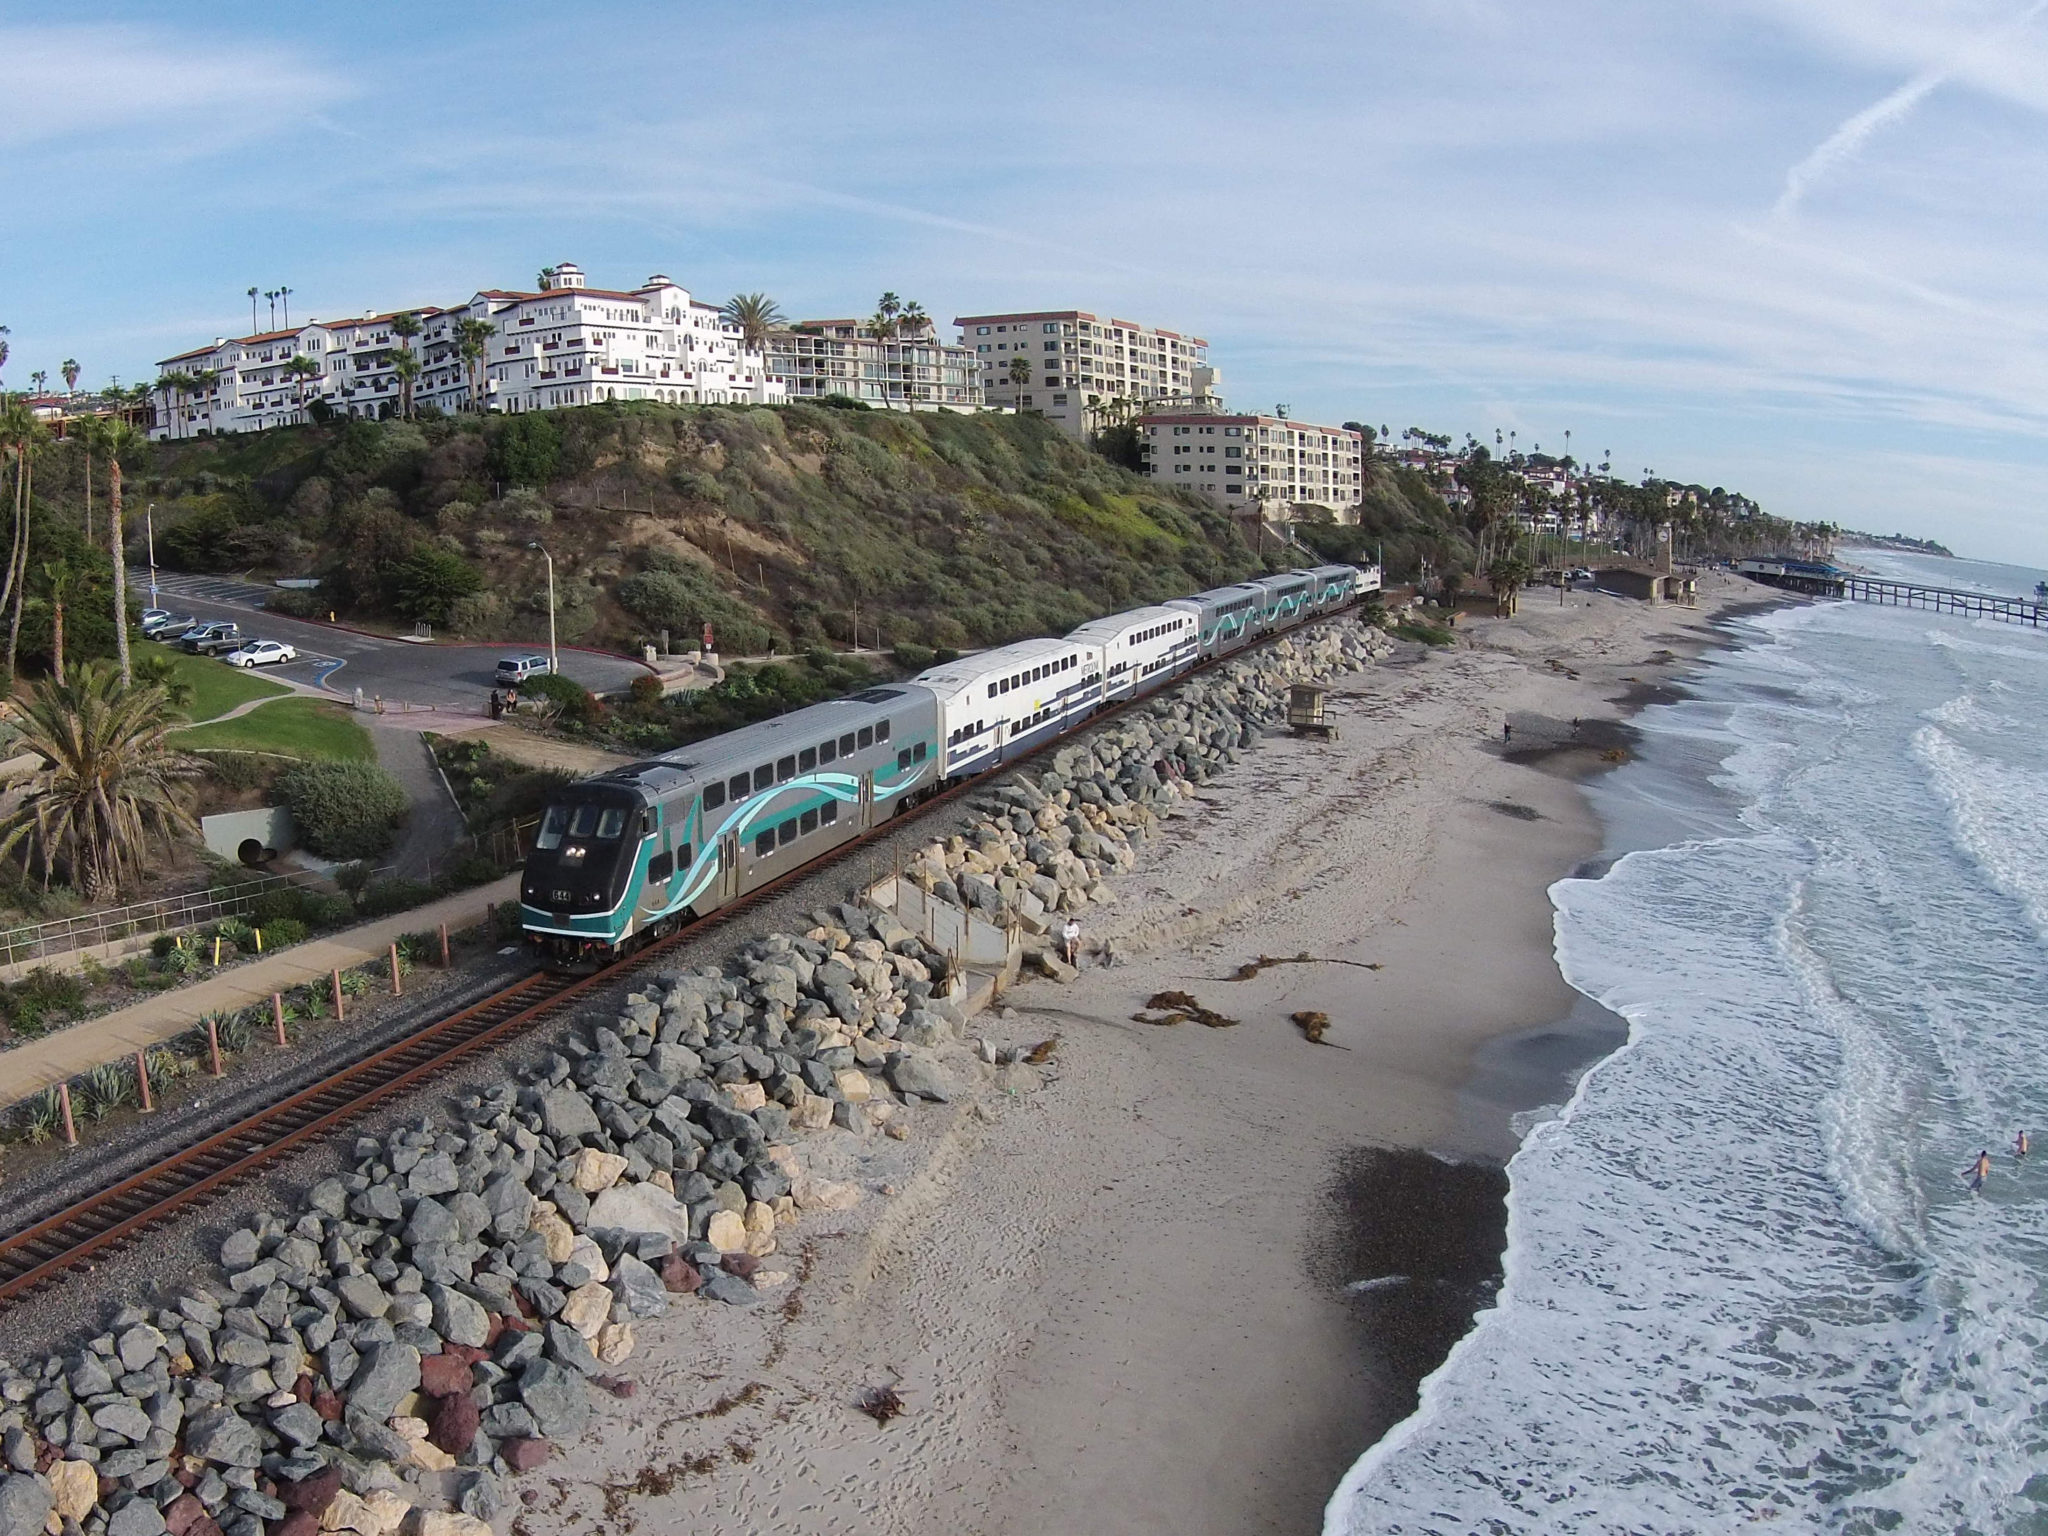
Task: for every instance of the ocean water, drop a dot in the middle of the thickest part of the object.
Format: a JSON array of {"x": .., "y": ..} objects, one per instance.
[{"x": 1747, "y": 1286}]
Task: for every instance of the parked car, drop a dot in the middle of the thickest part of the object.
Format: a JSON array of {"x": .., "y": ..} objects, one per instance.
[
  {"x": 514, "y": 670},
  {"x": 160, "y": 624},
  {"x": 1580, "y": 573},
  {"x": 212, "y": 639},
  {"x": 260, "y": 653}
]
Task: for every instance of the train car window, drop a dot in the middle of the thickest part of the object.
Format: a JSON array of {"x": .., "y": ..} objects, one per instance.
[
  {"x": 764, "y": 776},
  {"x": 660, "y": 867},
  {"x": 881, "y": 730},
  {"x": 807, "y": 760},
  {"x": 584, "y": 821},
  {"x": 991, "y": 690},
  {"x": 764, "y": 844},
  {"x": 737, "y": 786},
  {"x": 828, "y": 812},
  {"x": 683, "y": 856},
  {"x": 611, "y": 823},
  {"x": 786, "y": 833},
  {"x": 867, "y": 737},
  {"x": 785, "y": 768},
  {"x": 552, "y": 826},
  {"x": 809, "y": 822},
  {"x": 828, "y": 752},
  {"x": 919, "y": 753},
  {"x": 903, "y": 760},
  {"x": 714, "y": 796},
  {"x": 846, "y": 745}
]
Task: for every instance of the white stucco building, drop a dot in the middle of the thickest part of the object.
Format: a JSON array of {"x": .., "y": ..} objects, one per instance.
[
  {"x": 1265, "y": 462},
  {"x": 814, "y": 359},
  {"x": 567, "y": 344},
  {"x": 1084, "y": 370}
]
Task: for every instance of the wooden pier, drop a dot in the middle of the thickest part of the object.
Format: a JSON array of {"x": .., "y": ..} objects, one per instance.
[
  {"x": 1818, "y": 580},
  {"x": 1974, "y": 605}
]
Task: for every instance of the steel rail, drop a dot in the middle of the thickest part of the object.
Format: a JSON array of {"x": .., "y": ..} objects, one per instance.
[{"x": 40, "y": 1255}]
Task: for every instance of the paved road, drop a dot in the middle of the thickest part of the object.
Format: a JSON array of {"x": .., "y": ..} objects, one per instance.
[{"x": 441, "y": 676}]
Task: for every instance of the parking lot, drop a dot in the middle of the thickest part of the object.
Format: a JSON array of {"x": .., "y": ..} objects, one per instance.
[{"x": 438, "y": 675}]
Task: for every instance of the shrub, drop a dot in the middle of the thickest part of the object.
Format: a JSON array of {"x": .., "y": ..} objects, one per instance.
[
  {"x": 280, "y": 931},
  {"x": 913, "y": 658},
  {"x": 238, "y": 770},
  {"x": 432, "y": 581},
  {"x": 297, "y": 603},
  {"x": 344, "y": 810},
  {"x": 575, "y": 699},
  {"x": 645, "y": 690},
  {"x": 392, "y": 894}
]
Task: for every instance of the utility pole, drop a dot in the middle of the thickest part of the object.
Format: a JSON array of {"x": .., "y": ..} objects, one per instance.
[
  {"x": 554, "y": 666},
  {"x": 149, "y": 523}
]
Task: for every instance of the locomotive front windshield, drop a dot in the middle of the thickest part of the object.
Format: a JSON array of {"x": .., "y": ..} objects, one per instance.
[
  {"x": 571, "y": 829},
  {"x": 583, "y": 851}
]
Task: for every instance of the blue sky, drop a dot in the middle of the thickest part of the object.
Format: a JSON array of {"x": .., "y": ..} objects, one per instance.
[{"x": 1792, "y": 247}]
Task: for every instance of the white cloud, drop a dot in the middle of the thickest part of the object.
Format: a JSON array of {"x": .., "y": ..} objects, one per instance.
[{"x": 67, "y": 82}]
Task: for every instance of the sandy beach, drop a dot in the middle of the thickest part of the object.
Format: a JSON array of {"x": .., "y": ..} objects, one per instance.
[{"x": 1119, "y": 1295}]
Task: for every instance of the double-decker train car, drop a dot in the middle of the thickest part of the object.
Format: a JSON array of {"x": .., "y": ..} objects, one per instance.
[
  {"x": 998, "y": 704},
  {"x": 635, "y": 852},
  {"x": 1141, "y": 649}
]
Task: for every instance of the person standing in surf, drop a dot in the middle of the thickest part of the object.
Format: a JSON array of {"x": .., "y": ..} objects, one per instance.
[
  {"x": 2021, "y": 1146},
  {"x": 1981, "y": 1170}
]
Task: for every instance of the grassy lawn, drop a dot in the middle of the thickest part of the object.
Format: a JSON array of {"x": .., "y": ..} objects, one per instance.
[
  {"x": 294, "y": 727},
  {"x": 216, "y": 686}
]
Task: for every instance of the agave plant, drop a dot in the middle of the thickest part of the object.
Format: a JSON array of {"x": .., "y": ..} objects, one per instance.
[
  {"x": 41, "y": 1116},
  {"x": 107, "y": 1088},
  {"x": 416, "y": 949},
  {"x": 166, "y": 1066},
  {"x": 354, "y": 983},
  {"x": 236, "y": 1030}
]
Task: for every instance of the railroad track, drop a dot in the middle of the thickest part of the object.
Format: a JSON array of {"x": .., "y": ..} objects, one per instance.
[{"x": 41, "y": 1255}]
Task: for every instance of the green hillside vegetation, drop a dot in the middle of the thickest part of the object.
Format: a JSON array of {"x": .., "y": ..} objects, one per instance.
[{"x": 779, "y": 526}]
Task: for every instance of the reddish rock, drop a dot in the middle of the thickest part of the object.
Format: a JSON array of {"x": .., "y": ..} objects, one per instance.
[
  {"x": 741, "y": 1264},
  {"x": 312, "y": 1494},
  {"x": 618, "y": 1386},
  {"x": 186, "y": 1516},
  {"x": 445, "y": 1374},
  {"x": 328, "y": 1406},
  {"x": 468, "y": 1354},
  {"x": 680, "y": 1275},
  {"x": 302, "y": 1389},
  {"x": 454, "y": 1425},
  {"x": 47, "y": 1455},
  {"x": 525, "y": 1305},
  {"x": 522, "y": 1454},
  {"x": 185, "y": 1477},
  {"x": 297, "y": 1523}
]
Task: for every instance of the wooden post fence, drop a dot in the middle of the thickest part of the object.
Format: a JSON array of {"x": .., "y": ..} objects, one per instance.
[
  {"x": 396, "y": 989},
  {"x": 277, "y": 1017},
  {"x": 444, "y": 947},
  {"x": 213, "y": 1044},
  {"x": 142, "y": 1078},
  {"x": 334, "y": 977},
  {"x": 70, "y": 1125}
]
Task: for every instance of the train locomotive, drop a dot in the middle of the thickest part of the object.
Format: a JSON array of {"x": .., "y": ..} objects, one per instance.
[{"x": 635, "y": 853}]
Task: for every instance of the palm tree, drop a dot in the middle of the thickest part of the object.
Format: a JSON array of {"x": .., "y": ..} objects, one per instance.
[
  {"x": 109, "y": 785},
  {"x": 300, "y": 369},
  {"x": 161, "y": 672},
  {"x": 58, "y": 580},
  {"x": 40, "y": 379},
  {"x": 3, "y": 346},
  {"x": 205, "y": 382},
  {"x": 884, "y": 325},
  {"x": 120, "y": 438},
  {"x": 253, "y": 326},
  {"x": 70, "y": 369},
  {"x": 1508, "y": 573},
  {"x": 405, "y": 327},
  {"x": 913, "y": 321},
  {"x": 756, "y": 315},
  {"x": 473, "y": 346},
  {"x": 90, "y": 434},
  {"x": 20, "y": 430},
  {"x": 1020, "y": 371},
  {"x": 545, "y": 279}
]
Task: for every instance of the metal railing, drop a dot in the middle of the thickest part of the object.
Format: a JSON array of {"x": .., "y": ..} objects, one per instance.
[{"x": 63, "y": 935}]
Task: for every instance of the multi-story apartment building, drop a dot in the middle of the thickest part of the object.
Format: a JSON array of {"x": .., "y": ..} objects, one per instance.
[
  {"x": 1083, "y": 370},
  {"x": 816, "y": 358},
  {"x": 1268, "y": 463},
  {"x": 566, "y": 344}
]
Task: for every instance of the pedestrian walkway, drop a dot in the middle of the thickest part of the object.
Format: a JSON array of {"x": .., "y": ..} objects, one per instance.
[
  {"x": 435, "y": 829},
  {"x": 523, "y": 746},
  {"x": 28, "y": 1069}
]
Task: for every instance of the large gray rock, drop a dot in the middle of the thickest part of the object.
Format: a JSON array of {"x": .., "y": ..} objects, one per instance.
[
  {"x": 510, "y": 1204},
  {"x": 362, "y": 1295},
  {"x": 222, "y": 1435},
  {"x": 123, "y": 1418},
  {"x": 138, "y": 1346},
  {"x": 24, "y": 1506},
  {"x": 641, "y": 1208},
  {"x": 431, "y": 1222},
  {"x": 138, "y": 1517},
  {"x": 639, "y": 1287},
  {"x": 920, "y": 1079},
  {"x": 565, "y": 1112},
  {"x": 459, "y": 1318},
  {"x": 240, "y": 1249},
  {"x": 553, "y": 1394},
  {"x": 386, "y": 1374},
  {"x": 298, "y": 1423},
  {"x": 434, "y": 1174}
]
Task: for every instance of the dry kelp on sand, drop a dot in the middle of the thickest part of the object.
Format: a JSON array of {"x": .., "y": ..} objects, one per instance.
[{"x": 1179, "y": 1008}]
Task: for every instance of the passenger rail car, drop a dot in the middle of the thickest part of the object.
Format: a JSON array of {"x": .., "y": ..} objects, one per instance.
[
  {"x": 999, "y": 704},
  {"x": 637, "y": 852},
  {"x": 633, "y": 853}
]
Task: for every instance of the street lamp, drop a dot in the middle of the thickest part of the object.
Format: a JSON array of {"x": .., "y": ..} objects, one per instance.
[
  {"x": 553, "y": 665},
  {"x": 149, "y": 523}
]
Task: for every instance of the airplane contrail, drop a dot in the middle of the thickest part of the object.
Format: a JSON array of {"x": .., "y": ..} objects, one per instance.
[{"x": 1848, "y": 138}]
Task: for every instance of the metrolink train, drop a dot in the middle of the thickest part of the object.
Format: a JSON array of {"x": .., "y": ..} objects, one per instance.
[{"x": 640, "y": 851}]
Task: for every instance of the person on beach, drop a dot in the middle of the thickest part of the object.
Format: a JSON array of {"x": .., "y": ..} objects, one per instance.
[
  {"x": 1981, "y": 1171},
  {"x": 497, "y": 705},
  {"x": 1507, "y": 730},
  {"x": 1070, "y": 941},
  {"x": 2021, "y": 1146}
]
